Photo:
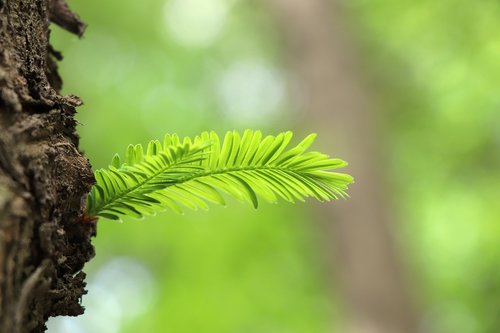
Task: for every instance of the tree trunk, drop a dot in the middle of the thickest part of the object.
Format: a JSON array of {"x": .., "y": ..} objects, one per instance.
[
  {"x": 43, "y": 177},
  {"x": 339, "y": 107}
]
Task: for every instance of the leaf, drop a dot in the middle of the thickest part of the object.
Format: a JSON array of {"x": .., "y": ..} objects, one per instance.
[{"x": 189, "y": 172}]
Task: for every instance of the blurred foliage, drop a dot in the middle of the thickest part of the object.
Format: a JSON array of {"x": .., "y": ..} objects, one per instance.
[
  {"x": 434, "y": 67},
  {"x": 155, "y": 67}
]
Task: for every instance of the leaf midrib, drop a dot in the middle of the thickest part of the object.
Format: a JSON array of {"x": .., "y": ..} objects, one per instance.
[{"x": 231, "y": 170}]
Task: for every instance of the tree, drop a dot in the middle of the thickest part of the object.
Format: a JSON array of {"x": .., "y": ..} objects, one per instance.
[
  {"x": 371, "y": 277},
  {"x": 44, "y": 178}
]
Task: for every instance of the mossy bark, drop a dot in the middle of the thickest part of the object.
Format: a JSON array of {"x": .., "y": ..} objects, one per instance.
[{"x": 44, "y": 178}]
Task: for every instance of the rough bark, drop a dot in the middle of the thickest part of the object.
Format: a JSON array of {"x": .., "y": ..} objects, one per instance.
[
  {"x": 339, "y": 107},
  {"x": 43, "y": 176}
]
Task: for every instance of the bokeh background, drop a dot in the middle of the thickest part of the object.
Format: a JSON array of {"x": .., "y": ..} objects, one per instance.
[{"x": 406, "y": 91}]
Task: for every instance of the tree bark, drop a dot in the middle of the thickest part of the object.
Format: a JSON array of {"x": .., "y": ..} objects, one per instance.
[
  {"x": 43, "y": 176},
  {"x": 339, "y": 107}
]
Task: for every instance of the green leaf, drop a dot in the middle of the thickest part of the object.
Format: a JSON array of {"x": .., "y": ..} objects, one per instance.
[{"x": 189, "y": 172}]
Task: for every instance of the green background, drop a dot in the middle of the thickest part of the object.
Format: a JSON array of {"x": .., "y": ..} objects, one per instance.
[{"x": 146, "y": 68}]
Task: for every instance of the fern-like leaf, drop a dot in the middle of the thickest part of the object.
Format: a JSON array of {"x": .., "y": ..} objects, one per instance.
[{"x": 188, "y": 173}]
